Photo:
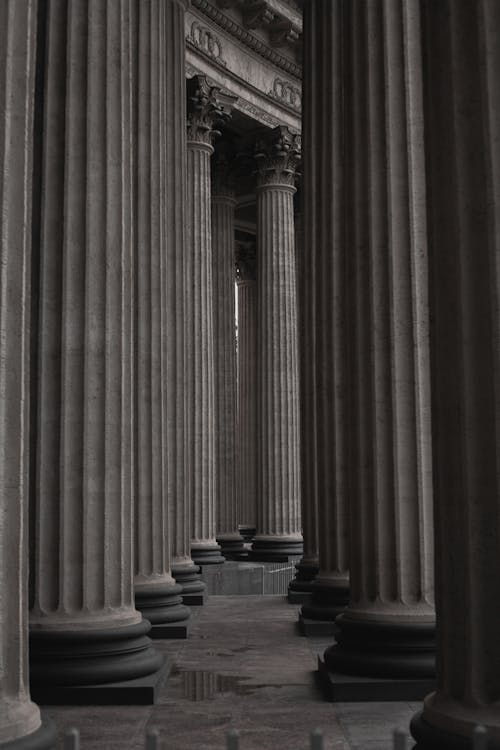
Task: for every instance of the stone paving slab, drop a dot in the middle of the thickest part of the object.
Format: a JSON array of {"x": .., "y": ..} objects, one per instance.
[{"x": 244, "y": 666}]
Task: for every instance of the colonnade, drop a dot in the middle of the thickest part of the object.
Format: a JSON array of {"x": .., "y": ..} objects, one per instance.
[
  {"x": 399, "y": 300},
  {"x": 119, "y": 380},
  {"x": 372, "y": 413}
]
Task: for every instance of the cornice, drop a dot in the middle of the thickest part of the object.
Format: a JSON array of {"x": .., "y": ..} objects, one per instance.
[{"x": 246, "y": 38}]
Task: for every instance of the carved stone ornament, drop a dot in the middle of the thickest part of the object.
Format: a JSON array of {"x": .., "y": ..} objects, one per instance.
[
  {"x": 287, "y": 93},
  {"x": 208, "y": 108},
  {"x": 255, "y": 13},
  {"x": 277, "y": 156},
  {"x": 246, "y": 261},
  {"x": 206, "y": 41}
]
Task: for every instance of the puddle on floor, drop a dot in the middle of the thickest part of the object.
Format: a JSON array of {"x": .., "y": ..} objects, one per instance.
[{"x": 202, "y": 685}]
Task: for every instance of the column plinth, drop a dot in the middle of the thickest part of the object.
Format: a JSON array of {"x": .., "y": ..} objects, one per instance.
[
  {"x": 223, "y": 240},
  {"x": 157, "y": 595},
  {"x": 20, "y": 722},
  {"x": 84, "y": 625},
  {"x": 278, "y": 534},
  {"x": 207, "y": 108},
  {"x": 388, "y": 628},
  {"x": 246, "y": 283},
  {"x": 462, "y": 108}
]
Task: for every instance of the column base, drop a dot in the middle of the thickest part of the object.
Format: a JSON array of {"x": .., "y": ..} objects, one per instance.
[
  {"x": 315, "y": 628},
  {"x": 164, "y": 608},
  {"x": 247, "y": 532},
  {"x": 276, "y": 549},
  {"x": 329, "y": 599},
  {"x": 354, "y": 688},
  {"x": 430, "y": 737},
  {"x": 300, "y": 589},
  {"x": 193, "y": 588},
  {"x": 232, "y": 547},
  {"x": 68, "y": 658},
  {"x": 372, "y": 648},
  {"x": 44, "y": 738},
  {"x": 143, "y": 691},
  {"x": 207, "y": 554}
]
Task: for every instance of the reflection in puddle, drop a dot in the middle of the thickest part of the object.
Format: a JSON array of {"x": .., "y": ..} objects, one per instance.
[{"x": 199, "y": 685}]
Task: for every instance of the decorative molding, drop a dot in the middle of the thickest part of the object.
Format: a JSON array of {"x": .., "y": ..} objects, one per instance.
[
  {"x": 208, "y": 107},
  {"x": 287, "y": 93},
  {"x": 256, "y": 112},
  {"x": 246, "y": 38},
  {"x": 206, "y": 41},
  {"x": 277, "y": 156},
  {"x": 256, "y": 13}
]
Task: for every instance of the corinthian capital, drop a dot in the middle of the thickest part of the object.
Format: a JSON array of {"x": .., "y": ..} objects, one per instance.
[
  {"x": 277, "y": 156},
  {"x": 208, "y": 109}
]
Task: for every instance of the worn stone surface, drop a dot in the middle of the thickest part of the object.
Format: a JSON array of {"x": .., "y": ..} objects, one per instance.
[{"x": 243, "y": 667}]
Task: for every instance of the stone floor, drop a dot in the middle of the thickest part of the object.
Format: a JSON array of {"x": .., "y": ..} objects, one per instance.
[{"x": 245, "y": 667}]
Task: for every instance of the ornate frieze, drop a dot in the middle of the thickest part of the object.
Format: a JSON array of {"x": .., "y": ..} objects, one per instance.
[
  {"x": 286, "y": 93},
  {"x": 277, "y": 156},
  {"x": 207, "y": 108},
  {"x": 246, "y": 38},
  {"x": 206, "y": 41}
]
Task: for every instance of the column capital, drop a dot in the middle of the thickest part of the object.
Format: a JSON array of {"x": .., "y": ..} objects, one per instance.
[
  {"x": 277, "y": 155},
  {"x": 246, "y": 261},
  {"x": 208, "y": 108}
]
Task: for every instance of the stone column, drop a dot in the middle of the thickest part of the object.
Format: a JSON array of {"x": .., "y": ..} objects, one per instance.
[
  {"x": 278, "y": 494},
  {"x": 223, "y": 204},
  {"x": 323, "y": 323},
  {"x": 85, "y": 629},
  {"x": 246, "y": 283},
  {"x": 462, "y": 54},
  {"x": 20, "y": 722},
  {"x": 157, "y": 595},
  {"x": 388, "y": 629},
  {"x": 207, "y": 107},
  {"x": 185, "y": 572},
  {"x": 300, "y": 588}
]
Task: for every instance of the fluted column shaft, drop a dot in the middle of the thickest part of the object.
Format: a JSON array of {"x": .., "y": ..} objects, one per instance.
[
  {"x": 204, "y": 109},
  {"x": 462, "y": 56},
  {"x": 82, "y": 574},
  {"x": 278, "y": 495},
  {"x": 223, "y": 204},
  {"x": 156, "y": 593},
  {"x": 388, "y": 628},
  {"x": 19, "y": 716},
  {"x": 247, "y": 389},
  {"x": 323, "y": 310},
  {"x": 183, "y": 568}
]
